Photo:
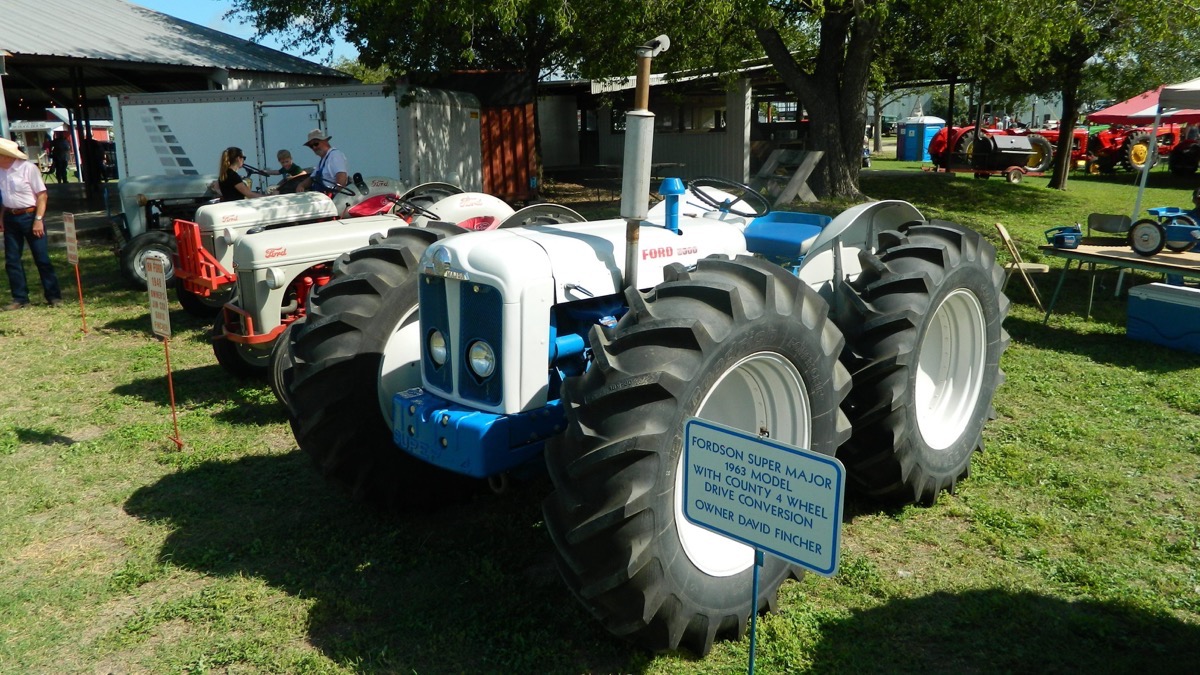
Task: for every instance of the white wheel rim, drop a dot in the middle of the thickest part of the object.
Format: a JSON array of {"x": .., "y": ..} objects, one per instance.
[
  {"x": 1147, "y": 236},
  {"x": 167, "y": 263},
  {"x": 950, "y": 369},
  {"x": 400, "y": 368},
  {"x": 761, "y": 391}
]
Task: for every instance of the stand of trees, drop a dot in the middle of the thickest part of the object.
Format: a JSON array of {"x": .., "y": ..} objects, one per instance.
[{"x": 830, "y": 53}]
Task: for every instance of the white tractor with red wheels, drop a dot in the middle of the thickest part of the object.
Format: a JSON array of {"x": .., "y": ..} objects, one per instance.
[{"x": 435, "y": 359}]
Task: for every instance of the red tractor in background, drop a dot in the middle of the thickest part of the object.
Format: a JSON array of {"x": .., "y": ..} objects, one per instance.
[
  {"x": 954, "y": 147},
  {"x": 1129, "y": 147}
]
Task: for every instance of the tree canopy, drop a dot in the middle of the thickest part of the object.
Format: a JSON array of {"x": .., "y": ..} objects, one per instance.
[{"x": 830, "y": 53}]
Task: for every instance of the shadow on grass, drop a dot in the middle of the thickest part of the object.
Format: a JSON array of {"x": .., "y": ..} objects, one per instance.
[
  {"x": 471, "y": 588},
  {"x": 1112, "y": 348},
  {"x": 242, "y": 400},
  {"x": 42, "y": 437},
  {"x": 181, "y": 323},
  {"x": 998, "y": 631}
]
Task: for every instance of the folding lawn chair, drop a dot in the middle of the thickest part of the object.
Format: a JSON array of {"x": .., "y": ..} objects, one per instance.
[{"x": 1018, "y": 265}]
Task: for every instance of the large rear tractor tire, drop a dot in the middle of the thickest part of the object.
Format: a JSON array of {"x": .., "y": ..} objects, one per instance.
[
  {"x": 924, "y": 339},
  {"x": 1043, "y": 154},
  {"x": 1184, "y": 159},
  {"x": 1135, "y": 156},
  {"x": 739, "y": 342},
  {"x": 360, "y": 344}
]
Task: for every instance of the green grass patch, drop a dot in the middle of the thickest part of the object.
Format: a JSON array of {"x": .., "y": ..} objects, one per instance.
[{"x": 1073, "y": 546}]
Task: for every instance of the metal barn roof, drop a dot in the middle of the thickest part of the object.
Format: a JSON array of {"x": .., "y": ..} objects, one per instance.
[
  {"x": 115, "y": 30},
  {"x": 64, "y": 53}
]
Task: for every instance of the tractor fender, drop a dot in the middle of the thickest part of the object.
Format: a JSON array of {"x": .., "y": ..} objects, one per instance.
[
  {"x": 468, "y": 210},
  {"x": 834, "y": 253}
]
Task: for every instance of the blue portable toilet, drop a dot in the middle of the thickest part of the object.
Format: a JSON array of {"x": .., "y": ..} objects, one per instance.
[{"x": 915, "y": 133}]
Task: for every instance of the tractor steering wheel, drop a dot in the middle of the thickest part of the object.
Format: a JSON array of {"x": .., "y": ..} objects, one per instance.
[
  {"x": 758, "y": 204},
  {"x": 406, "y": 209}
]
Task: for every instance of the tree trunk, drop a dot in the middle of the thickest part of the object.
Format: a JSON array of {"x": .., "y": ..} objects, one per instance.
[
  {"x": 834, "y": 94},
  {"x": 1066, "y": 127},
  {"x": 877, "y": 124}
]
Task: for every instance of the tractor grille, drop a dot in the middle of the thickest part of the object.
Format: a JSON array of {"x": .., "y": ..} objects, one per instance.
[
  {"x": 480, "y": 317},
  {"x": 481, "y": 320},
  {"x": 435, "y": 315}
]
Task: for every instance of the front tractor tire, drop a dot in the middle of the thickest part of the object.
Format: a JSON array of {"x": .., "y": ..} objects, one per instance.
[
  {"x": 740, "y": 342},
  {"x": 240, "y": 361},
  {"x": 152, "y": 244},
  {"x": 924, "y": 339},
  {"x": 358, "y": 345}
]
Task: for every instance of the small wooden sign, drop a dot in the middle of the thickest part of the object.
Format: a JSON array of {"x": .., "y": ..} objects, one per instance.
[
  {"x": 72, "y": 239},
  {"x": 156, "y": 285}
]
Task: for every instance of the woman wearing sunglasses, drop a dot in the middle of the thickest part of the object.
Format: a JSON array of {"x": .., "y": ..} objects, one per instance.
[{"x": 231, "y": 184}]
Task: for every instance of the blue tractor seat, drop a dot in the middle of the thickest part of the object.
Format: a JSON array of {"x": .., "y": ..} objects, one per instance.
[{"x": 784, "y": 236}]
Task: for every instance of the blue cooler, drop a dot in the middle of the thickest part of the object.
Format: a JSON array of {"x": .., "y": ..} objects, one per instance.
[{"x": 1165, "y": 315}]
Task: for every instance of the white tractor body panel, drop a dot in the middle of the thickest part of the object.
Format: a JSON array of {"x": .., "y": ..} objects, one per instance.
[
  {"x": 267, "y": 262},
  {"x": 223, "y": 223},
  {"x": 535, "y": 268},
  {"x": 591, "y": 256},
  {"x": 520, "y": 270},
  {"x": 184, "y": 188}
]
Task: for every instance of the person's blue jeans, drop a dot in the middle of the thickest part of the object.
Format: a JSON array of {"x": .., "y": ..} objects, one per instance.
[{"x": 18, "y": 231}]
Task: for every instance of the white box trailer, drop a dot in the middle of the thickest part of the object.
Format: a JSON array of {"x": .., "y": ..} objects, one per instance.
[
  {"x": 169, "y": 145},
  {"x": 414, "y": 135}
]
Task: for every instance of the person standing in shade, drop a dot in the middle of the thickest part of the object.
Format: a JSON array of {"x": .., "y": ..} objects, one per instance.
[
  {"x": 60, "y": 154},
  {"x": 22, "y": 211},
  {"x": 332, "y": 172}
]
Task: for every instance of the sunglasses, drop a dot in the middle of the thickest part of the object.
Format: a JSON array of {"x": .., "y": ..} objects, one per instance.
[{"x": 313, "y": 144}]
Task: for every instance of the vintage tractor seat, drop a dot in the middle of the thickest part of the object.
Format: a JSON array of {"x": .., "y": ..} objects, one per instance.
[{"x": 784, "y": 236}]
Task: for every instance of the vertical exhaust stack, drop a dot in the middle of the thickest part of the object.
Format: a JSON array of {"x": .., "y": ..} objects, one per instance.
[{"x": 639, "y": 149}]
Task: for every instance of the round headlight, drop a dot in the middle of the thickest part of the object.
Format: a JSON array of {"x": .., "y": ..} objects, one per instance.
[
  {"x": 482, "y": 358},
  {"x": 276, "y": 278},
  {"x": 227, "y": 236},
  {"x": 141, "y": 199},
  {"x": 437, "y": 348}
]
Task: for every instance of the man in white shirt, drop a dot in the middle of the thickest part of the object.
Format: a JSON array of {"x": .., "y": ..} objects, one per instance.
[
  {"x": 332, "y": 171},
  {"x": 22, "y": 211}
]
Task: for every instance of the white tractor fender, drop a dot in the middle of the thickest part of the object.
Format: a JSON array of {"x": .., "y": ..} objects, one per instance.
[
  {"x": 376, "y": 185},
  {"x": 835, "y": 251},
  {"x": 469, "y": 210}
]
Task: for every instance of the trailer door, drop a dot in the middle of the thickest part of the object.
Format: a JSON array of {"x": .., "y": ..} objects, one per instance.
[{"x": 285, "y": 126}]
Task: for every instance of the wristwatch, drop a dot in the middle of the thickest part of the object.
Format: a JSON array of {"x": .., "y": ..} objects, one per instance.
[{"x": 37, "y": 217}]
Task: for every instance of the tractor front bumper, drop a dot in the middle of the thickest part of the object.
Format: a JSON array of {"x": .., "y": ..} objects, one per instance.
[{"x": 468, "y": 441}]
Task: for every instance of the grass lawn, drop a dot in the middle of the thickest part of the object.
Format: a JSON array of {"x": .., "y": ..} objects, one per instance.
[{"x": 1074, "y": 545}]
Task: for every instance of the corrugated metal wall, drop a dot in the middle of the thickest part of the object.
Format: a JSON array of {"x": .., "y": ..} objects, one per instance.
[{"x": 506, "y": 144}]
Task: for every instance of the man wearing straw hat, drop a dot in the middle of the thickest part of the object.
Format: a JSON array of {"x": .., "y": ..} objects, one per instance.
[{"x": 22, "y": 209}]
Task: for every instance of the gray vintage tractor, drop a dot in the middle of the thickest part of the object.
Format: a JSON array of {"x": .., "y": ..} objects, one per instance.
[{"x": 435, "y": 360}]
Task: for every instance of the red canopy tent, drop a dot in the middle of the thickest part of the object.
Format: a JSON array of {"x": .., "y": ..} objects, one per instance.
[{"x": 1141, "y": 110}]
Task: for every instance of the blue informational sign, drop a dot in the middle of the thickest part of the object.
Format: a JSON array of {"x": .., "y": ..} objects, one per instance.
[{"x": 781, "y": 499}]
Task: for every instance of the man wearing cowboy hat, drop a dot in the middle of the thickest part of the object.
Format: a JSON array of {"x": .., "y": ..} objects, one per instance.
[
  {"x": 332, "y": 172},
  {"x": 21, "y": 211}
]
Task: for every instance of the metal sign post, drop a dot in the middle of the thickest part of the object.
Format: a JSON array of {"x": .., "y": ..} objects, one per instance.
[
  {"x": 160, "y": 323},
  {"x": 73, "y": 258},
  {"x": 773, "y": 497}
]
